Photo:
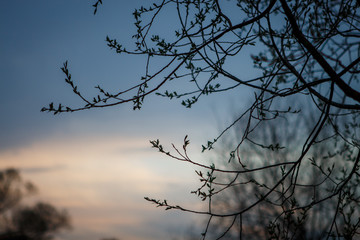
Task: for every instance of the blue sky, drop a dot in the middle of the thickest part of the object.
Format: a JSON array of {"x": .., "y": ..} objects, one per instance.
[
  {"x": 37, "y": 37},
  {"x": 98, "y": 164}
]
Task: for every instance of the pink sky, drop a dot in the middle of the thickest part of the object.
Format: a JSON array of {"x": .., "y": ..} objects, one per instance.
[{"x": 102, "y": 184}]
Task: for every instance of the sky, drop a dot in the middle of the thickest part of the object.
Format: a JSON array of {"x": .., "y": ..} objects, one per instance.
[{"x": 97, "y": 164}]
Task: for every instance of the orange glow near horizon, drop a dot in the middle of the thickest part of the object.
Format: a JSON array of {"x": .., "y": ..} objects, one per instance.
[{"x": 101, "y": 183}]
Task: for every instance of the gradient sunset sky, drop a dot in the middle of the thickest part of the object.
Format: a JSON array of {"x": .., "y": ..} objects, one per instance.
[{"x": 97, "y": 164}]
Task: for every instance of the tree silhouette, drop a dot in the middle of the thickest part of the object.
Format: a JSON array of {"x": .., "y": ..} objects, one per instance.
[
  {"x": 247, "y": 187},
  {"x": 13, "y": 189},
  {"x": 302, "y": 51},
  {"x": 18, "y": 221}
]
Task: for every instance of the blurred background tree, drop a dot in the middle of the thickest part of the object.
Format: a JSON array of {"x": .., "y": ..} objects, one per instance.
[
  {"x": 18, "y": 221},
  {"x": 317, "y": 178}
]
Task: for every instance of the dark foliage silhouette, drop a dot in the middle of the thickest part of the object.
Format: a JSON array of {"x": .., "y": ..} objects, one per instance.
[
  {"x": 248, "y": 187},
  {"x": 18, "y": 221}
]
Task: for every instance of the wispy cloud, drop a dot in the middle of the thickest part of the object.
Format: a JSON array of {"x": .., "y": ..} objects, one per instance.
[{"x": 102, "y": 183}]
